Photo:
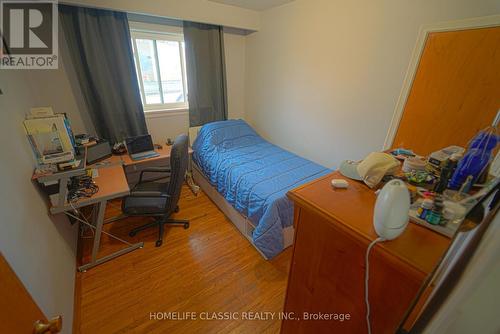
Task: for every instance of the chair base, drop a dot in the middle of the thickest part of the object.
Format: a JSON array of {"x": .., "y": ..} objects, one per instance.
[{"x": 161, "y": 227}]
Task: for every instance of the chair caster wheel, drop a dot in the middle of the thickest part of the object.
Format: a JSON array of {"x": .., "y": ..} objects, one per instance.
[
  {"x": 132, "y": 234},
  {"x": 158, "y": 243},
  {"x": 186, "y": 226},
  {"x": 176, "y": 210}
]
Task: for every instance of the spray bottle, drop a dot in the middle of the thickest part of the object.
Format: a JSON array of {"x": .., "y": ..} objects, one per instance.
[{"x": 477, "y": 157}]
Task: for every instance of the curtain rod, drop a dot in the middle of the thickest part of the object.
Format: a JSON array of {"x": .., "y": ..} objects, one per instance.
[{"x": 157, "y": 19}]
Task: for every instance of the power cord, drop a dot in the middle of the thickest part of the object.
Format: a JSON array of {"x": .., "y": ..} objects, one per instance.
[
  {"x": 81, "y": 187},
  {"x": 367, "y": 276}
]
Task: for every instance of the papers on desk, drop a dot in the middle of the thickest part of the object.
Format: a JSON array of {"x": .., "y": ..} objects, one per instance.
[
  {"x": 94, "y": 173},
  {"x": 69, "y": 165}
]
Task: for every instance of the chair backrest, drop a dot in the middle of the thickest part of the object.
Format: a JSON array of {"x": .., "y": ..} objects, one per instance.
[{"x": 178, "y": 165}]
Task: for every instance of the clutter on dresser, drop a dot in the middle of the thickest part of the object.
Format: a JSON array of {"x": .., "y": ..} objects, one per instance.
[
  {"x": 456, "y": 188},
  {"x": 372, "y": 169},
  {"x": 414, "y": 163},
  {"x": 340, "y": 184},
  {"x": 402, "y": 153},
  {"x": 443, "y": 186},
  {"x": 390, "y": 216},
  {"x": 476, "y": 160},
  {"x": 437, "y": 160}
]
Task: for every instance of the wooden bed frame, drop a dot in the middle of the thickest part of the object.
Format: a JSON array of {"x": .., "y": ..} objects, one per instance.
[{"x": 242, "y": 223}]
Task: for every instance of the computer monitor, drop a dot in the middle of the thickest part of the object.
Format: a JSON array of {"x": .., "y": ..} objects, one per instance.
[
  {"x": 139, "y": 144},
  {"x": 98, "y": 152}
]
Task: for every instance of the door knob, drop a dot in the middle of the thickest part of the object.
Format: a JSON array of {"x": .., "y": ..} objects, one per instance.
[{"x": 52, "y": 327}]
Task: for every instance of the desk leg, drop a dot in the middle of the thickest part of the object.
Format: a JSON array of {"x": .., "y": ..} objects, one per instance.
[{"x": 101, "y": 208}]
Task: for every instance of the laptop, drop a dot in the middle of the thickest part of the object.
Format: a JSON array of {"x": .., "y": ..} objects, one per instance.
[{"x": 141, "y": 147}]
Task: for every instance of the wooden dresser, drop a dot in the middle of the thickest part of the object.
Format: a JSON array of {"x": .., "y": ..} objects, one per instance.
[{"x": 333, "y": 228}]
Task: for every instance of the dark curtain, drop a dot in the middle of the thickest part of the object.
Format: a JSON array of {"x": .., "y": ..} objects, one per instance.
[
  {"x": 206, "y": 73},
  {"x": 101, "y": 52}
]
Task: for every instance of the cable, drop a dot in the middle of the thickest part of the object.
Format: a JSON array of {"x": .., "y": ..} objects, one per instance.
[
  {"x": 92, "y": 226},
  {"x": 81, "y": 187},
  {"x": 367, "y": 275}
]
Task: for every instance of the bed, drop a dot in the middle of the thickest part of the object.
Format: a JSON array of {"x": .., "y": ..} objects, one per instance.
[{"x": 248, "y": 178}]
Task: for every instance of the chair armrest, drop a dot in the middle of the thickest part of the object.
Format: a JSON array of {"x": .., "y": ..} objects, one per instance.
[{"x": 154, "y": 170}]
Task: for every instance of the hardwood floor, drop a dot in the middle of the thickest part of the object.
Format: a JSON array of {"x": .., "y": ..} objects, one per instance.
[{"x": 210, "y": 267}]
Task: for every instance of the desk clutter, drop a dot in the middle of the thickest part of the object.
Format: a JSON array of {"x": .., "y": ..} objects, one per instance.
[
  {"x": 79, "y": 171},
  {"x": 443, "y": 186},
  {"x": 66, "y": 164}
]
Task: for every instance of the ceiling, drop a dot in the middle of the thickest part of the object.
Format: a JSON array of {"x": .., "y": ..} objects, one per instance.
[{"x": 254, "y": 4}]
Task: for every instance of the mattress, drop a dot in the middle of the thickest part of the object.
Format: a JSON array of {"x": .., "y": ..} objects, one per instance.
[{"x": 254, "y": 176}]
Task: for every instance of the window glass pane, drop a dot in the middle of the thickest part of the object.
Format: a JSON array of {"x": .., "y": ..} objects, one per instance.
[
  {"x": 145, "y": 50},
  {"x": 137, "y": 69},
  {"x": 170, "y": 71},
  {"x": 184, "y": 74}
]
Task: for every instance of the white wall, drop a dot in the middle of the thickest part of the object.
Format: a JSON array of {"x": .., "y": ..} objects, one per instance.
[
  {"x": 234, "y": 46},
  {"x": 323, "y": 76},
  {"x": 40, "y": 248},
  {"x": 163, "y": 126},
  {"x": 472, "y": 306},
  {"x": 193, "y": 10},
  {"x": 53, "y": 88}
]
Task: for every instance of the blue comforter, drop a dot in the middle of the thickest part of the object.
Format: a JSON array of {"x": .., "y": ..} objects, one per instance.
[{"x": 254, "y": 176}]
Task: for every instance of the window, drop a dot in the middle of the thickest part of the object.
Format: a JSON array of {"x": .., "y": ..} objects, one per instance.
[{"x": 160, "y": 64}]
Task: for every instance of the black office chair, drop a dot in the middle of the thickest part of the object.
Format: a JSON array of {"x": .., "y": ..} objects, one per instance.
[{"x": 159, "y": 199}]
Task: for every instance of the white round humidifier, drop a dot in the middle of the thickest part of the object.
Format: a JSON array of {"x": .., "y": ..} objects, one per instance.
[{"x": 391, "y": 210}]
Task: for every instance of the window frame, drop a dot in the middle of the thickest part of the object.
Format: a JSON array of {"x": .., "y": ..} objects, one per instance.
[{"x": 137, "y": 33}]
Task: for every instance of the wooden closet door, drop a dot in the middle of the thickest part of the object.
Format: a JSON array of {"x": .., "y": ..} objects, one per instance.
[
  {"x": 18, "y": 310},
  {"x": 455, "y": 92}
]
